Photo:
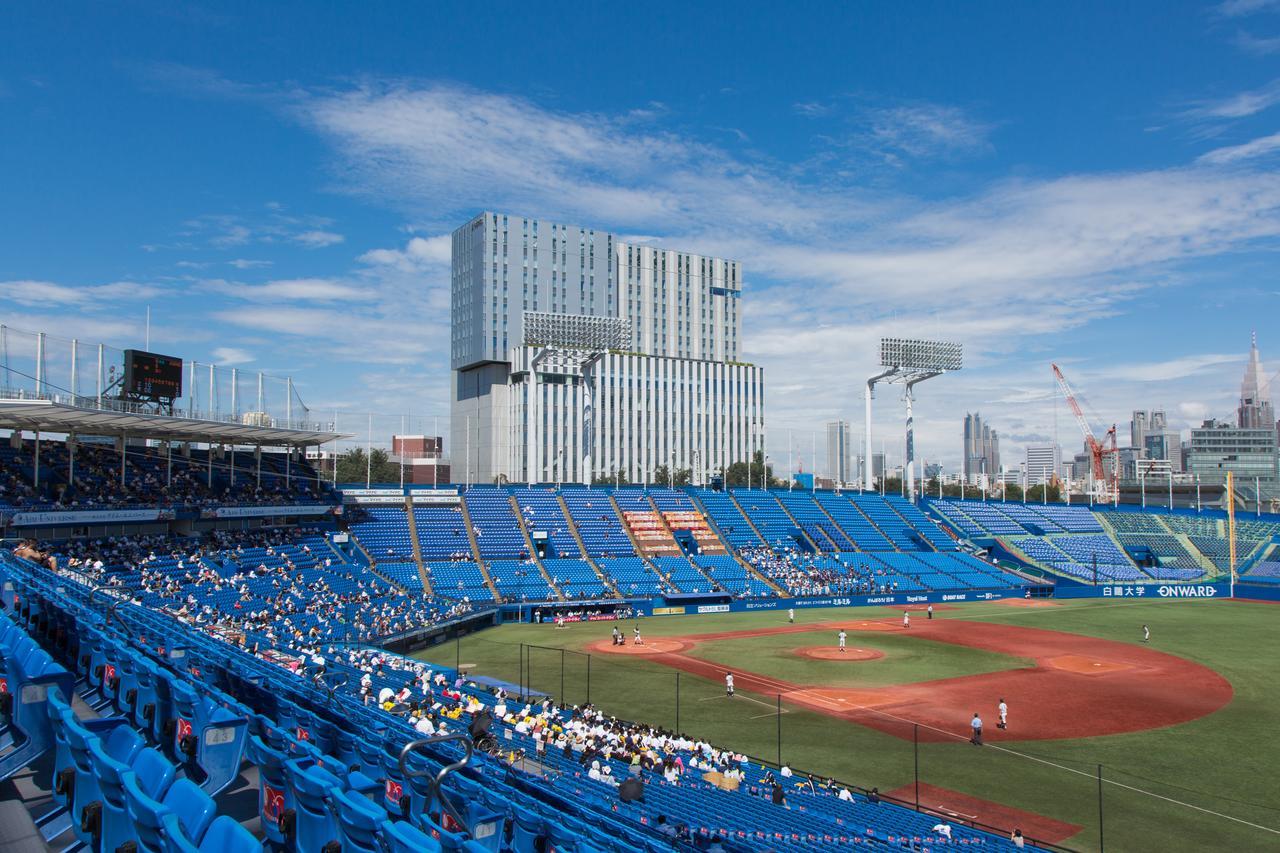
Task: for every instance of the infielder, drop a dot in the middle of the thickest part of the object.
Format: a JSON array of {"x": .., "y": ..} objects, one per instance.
[
  {"x": 791, "y": 614},
  {"x": 841, "y": 638},
  {"x": 1146, "y": 634},
  {"x": 906, "y": 619},
  {"x": 1003, "y": 710},
  {"x": 728, "y": 684}
]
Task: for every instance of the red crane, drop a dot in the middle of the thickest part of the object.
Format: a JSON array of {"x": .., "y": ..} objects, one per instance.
[{"x": 1104, "y": 477}]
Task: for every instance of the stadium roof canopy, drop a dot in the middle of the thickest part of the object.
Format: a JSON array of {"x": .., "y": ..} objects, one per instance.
[{"x": 46, "y": 415}]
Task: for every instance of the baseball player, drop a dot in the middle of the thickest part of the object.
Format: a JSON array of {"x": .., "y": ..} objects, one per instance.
[
  {"x": 636, "y": 639},
  {"x": 1003, "y": 710},
  {"x": 841, "y": 638},
  {"x": 930, "y": 611},
  {"x": 791, "y": 614},
  {"x": 906, "y": 619},
  {"x": 1146, "y": 634},
  {"x": 728, "y": 684}
]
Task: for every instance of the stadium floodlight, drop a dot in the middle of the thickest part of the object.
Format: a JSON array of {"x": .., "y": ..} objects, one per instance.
[
  {"x": 909, "y": 361},
  {"x": 576, "y": 331},
  {"x": 575, "y": 343},
  {"x": 920, "y": 355}
]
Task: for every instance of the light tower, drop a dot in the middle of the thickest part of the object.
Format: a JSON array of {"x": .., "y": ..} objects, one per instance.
[{"x": 910, "y": 362}]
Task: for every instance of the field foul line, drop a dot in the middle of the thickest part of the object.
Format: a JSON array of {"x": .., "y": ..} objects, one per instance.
[
  {"x": 1087, "y": 775},
  {"x": 748, "y": 699}
]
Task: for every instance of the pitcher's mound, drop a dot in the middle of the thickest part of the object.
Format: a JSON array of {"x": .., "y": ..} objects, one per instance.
[
  {"x": 833, "y": 653},
  {"x": 654, "y": 646}
]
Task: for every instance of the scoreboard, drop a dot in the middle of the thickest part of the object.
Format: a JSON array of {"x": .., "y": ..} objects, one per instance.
[{"x": 152, "y": 376}]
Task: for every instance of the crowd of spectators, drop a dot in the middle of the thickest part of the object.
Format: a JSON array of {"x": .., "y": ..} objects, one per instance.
[
  {"x": 816, "y": 574},
  {"x": 149, "y": 479},
  {"x": 269, "y": 584}
]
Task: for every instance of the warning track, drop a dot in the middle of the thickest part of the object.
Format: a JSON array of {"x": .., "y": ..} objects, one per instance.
[{"x": 1078, "y": 686}]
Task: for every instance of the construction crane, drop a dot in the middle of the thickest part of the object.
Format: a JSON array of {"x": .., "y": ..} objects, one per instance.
[{"x": 1106, "y": 482}]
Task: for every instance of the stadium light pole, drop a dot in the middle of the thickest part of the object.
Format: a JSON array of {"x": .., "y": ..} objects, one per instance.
[{"x": 909, "y": 361}]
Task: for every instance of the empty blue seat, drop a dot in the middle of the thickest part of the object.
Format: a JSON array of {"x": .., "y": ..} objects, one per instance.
[{"x": 193, "y": 808}]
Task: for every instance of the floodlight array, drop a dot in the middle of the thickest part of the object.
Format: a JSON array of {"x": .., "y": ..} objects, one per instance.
[
  {"x": 576, "y": 331},
  {"x": 915, "y": 354}
]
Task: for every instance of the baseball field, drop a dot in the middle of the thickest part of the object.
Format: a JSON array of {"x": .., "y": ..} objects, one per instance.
[{"x": 1112, "y": 742}]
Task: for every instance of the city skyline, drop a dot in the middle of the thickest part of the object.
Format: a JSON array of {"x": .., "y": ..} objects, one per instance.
[{"x": 280, "y": 217}]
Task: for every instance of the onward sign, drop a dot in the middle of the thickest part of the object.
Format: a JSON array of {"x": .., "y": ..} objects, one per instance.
[
  {"x": 1201, "y": 591},
  {"x": 1136, "y": 590}
]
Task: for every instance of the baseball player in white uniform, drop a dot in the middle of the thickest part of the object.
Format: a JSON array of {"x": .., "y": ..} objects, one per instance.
[
  {"x": 1003, "y": 710},
  {"x": 791, "y": 614},
  {"x": 906, "y": 619},
  {"x": 841, "y": 638},
  {"x": 728, "y": 684}
]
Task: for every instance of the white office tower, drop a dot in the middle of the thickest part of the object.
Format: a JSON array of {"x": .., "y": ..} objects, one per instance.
[
  {"x": 840, "y": 446},
  {"x": 577, "y": 355}
]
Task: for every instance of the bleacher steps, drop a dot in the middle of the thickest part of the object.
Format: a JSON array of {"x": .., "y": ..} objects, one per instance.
[
  {"x": 924, "y": 540},
  {"x": 635, "y": 544},
  {"x": 373, "y": 565},
  {"x": 750, "y": 523},
  {"x": 417, "y": 546},
  {"x": 1196, "y": 554},
  {"x": 873, "y": 524},
  {"x": 837, "y": 526},
  {"x": 475, "y": 552},
  {"x": 799, "y": 526},
  {"x": 582, "y": 547},
  {"x": 666, "y": 525},
  {"x": 528, "y": 544},
  {"x": 750, "y": 569}
]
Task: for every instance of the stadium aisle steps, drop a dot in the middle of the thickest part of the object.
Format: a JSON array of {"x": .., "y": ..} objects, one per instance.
[
  {"x": 475, "y": 552},
  {"x": 412, "y": 517},
  {"x": 533, "y": 552}
]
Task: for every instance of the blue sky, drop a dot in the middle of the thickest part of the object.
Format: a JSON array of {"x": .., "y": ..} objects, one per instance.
[{"x": 1094, "y": 184}]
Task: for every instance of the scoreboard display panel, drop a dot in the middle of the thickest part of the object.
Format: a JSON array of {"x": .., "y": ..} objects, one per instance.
[{"x": 152, "y": 376}]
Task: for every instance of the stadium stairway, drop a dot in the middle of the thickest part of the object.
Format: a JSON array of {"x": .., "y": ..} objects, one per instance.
[
  {"x": 873, "y": 524},
  {"x": 475, "y": 553},
  {"x": 582, "y": 547},
  {"x": 818, "y": 546},
  {"x": 372, "y": 564},
  {"x": 751, "y": 570},
  {"x": 745, "y": 516},
  {"x": 423, "y": 574},
  {"x": 671, "y": 534},
  {"x": 835, "y": 526},
  {"x": 533, "y": 552}
]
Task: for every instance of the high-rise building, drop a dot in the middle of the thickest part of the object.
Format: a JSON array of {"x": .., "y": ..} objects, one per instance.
[
  {"x": 840, "y": 447},
  {"x": 1255, "y": 410},
  {"x": 1044, "y": 462},
  {"x": 577, "y": 354},
  {"x": 1249, "y": 453},
  {"x": 981, "y": 449},
  {"x": 1151, "y": 439}
]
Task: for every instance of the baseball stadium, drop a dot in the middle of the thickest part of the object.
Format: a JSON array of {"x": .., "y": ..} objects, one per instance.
[
  {"x": 613, "y": 427},
  {"x": 209, "y": 643}
]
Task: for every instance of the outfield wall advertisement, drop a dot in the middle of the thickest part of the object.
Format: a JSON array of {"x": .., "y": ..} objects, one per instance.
[
  {"x": 1145, "y": 590},
  {"x": 893, "y": 599}
]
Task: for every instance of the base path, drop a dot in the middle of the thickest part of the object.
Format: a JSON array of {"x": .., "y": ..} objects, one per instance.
[
  {"x": 962, "y": 808},
  {"x": 1078, "y": 686}
]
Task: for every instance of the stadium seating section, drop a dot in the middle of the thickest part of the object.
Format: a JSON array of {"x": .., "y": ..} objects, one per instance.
[{"x": 140, "y": 726}]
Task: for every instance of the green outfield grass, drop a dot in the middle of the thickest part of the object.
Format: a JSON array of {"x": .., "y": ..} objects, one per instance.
[
  {"x": 1223, "y": 763},
  {"x": 906, "y": 659}
]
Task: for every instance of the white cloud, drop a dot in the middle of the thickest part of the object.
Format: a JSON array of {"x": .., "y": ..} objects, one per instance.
[
  {"x": 46, "y": 293},
  {"x": 230, "y": 356},
  {"x": 247, "y": 264},
  {"x": 1240, "y": 8},
  {"x": 1239, "y": 105},
  {"x": 1250, "y": 43},
  {"x": 296, "y": 290},
  {"x": 318, "y": 239},
  {"x": 923, "y": 130},
  {"x": 1246, "y": 151},
  {"x": 418, "y": 253}
]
